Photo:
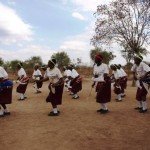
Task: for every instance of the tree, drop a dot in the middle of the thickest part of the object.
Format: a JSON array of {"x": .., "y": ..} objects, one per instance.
[
  {"x": 1, "y": 61},
  {"x": 62, "y": 58},
  {"x": 107, "y": 56},
  {"x": 128, "y": 54},
  {"x": 126, "y": 22},
  {"x": 32, "y": 61},
  {"x": 13, "y": 64}
]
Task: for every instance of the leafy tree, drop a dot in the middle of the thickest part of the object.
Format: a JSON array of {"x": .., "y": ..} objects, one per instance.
[
  {"x": 126, "y": 22},
  {"x": 107, "y": 56},
  {"x": 13, "y": 64},
  {"x": 62, "y": 58},
  {"x": 32, "y": 61},
  {"x": 1, "y": 61}
]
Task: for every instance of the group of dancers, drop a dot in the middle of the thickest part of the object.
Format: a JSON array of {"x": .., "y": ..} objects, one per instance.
[{"x": 72, "y": 81}]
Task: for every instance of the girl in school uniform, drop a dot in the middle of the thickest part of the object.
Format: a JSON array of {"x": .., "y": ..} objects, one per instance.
[
  {"x": 117, "y": 87},
  {"x": 56, "y": 85},
  {"x": 102, "y": 83},
  {"x": 123, "y": 81},
  {"x": 37, "y": 75},
  {"x": 76, "y": 82},
  {"x": 23, "y": 82},
  {"x": 6, "y": 87},
  {"x": 141, "y": 71}
]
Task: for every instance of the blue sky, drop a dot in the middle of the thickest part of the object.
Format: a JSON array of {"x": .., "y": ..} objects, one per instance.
[{"x": 43, "y": 27}]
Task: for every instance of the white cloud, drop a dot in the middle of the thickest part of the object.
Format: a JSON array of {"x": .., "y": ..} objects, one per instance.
[
  {"x": 78, "y": 16},
  {"x": 12, "y": 27},
  {"x": 89, "y": 5},
  {"x": 27, "y": 52}
]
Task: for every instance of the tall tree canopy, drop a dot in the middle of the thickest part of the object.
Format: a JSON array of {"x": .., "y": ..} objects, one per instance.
[
  {"x": 62, "y": 59},
  {"x": 107, "y": 56},
  {"x": 126, "y": 22}
]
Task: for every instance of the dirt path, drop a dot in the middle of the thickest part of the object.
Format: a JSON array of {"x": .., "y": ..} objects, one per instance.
[{"x": 79, "y": 127}]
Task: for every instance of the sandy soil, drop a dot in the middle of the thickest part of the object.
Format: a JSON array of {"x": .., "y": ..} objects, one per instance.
[{"x": 79, "y": 127}]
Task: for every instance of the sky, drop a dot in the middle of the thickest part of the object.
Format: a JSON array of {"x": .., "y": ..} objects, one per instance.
[{"x": 43, "y": 27}]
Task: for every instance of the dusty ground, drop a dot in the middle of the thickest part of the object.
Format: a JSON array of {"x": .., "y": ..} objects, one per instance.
[{"x": 79, "y": 127}]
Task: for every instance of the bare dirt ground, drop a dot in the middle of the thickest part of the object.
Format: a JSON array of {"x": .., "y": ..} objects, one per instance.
[{"x": 79, "y": 127}]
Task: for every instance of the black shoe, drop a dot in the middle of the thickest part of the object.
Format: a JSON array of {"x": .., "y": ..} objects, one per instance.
[
  {"x": 118, "y": 100},
  {"x": 53, "y": 114},
  {"x": 143, "y": 111},
  {"x": 25, "y": 97},
  {"x": 21, "y": 99},
  {"x": 104, "y": 111},
  {"x": 6, "y": 113},
  {"x": 75, "y": 97},
  {"x": 138, "y": 108},
  {"x": 99, "y": 110}
]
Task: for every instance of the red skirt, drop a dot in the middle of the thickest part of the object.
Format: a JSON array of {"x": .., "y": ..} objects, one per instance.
[
  {"x": 123, "y": 83},
  {"x": 6, "y": 96},
  {"x": 103, "y": 91},
  {"x": 76, "y": 84},
  {"x": 141, "y": 94},
  {"x": 56, "y": 98},
  {"x": 22, "y": 88},
  {"x": 39, "y": 84}
]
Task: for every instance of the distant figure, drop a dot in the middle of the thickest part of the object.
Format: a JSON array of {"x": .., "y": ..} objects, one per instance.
[
  {"x": 141, "y": 71},
  {"x": 76, "y": 82},
  {"x": 6, "y": 87},
  {"x": 37, "y": 75},
  {"x": 23, "y": 82},
  {"x": 117, "y": 78},
  {"x": 123, "y": 81},
  {"x": 56, "y": 85},
  {"x": 102, "y": 83}
]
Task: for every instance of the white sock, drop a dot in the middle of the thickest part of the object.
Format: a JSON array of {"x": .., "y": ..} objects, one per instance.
[
  {"x": 1, "y": 112},
  {"x": 75, "y": 96},
  {"x": 140, "y": 104},
  {"x": 21, "y": 96},
  {"x": 122, "y": 94},
  {"x": 119, "y": 97},
  {"x": 55, "y": 110},
  {"x": 144, "y": 104},
  {"x": 104, "y": 107}
]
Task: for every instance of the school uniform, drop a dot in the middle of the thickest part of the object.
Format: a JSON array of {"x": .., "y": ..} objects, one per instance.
[
  {"x": 76, "y": 83},
  {"x": 123, "y": 81},
  {"x": 117, "y": 86},
  {"x": 6, "y": 87},
  {"x": 141, "y": 93},
  {"x": 23, "y": 82},
  {"x": 55, "y": 94},
  {"x": 37, "y": 75},
  {"x": 103, "y": 84},
  {"x": 67, "y": 73}
]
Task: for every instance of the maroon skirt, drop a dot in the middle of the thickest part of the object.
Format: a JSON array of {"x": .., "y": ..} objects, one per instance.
[
  {"x": 39, "y": 84},
  {"x": 76, "y": 85},
  {"x": 103, "y": 90},
  {"x": 117, "y": 90},
  {"x": 123, "y": 83},
  {"x": 6, "y": 96},
  {"x": 141, "y": 94},
  {"x": 56, "y": 98},
  {"x": 22, "y": 88}
]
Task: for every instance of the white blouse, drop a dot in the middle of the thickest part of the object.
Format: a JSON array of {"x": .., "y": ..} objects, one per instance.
[
  {"x": 117, "y": 74},
  {"x": 140, "y": 70},
  {"x": 37, "y": 73},
  {"x": 3, "y": 73},
  {"x": 100, "y": 71},
  {"x": 21, "y": 73},
  {"x": 74, "y": 73},
  {"x": 123, "y": 72},
  {"x": 53, "y": 74}
]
